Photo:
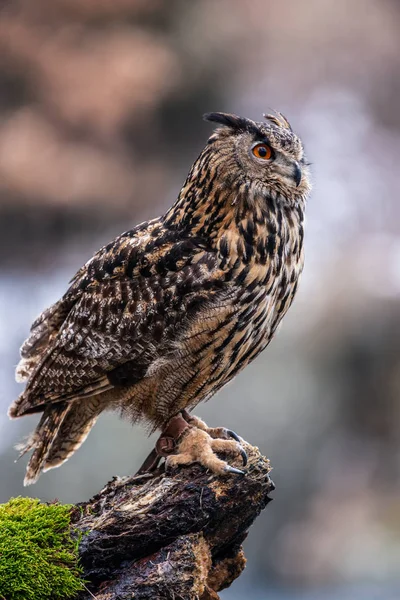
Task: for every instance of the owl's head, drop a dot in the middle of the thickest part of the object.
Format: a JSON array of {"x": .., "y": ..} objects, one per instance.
[{"x": 264, "y": 159}]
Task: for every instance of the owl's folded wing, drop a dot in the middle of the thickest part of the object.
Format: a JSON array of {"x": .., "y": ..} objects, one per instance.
[{"x": 116, "y": 322}]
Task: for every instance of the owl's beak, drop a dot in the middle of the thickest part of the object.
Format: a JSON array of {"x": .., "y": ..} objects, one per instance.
[{"x": 297, "y": 174}]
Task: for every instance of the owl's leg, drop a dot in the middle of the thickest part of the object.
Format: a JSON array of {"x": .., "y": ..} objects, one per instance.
[
  {"x": 166, "y": 444},
  {"x": 187, "y": 439},
  {"x": 215, "y": 432}
]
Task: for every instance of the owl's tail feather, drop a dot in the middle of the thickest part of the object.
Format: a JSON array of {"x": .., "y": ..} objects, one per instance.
[
  {"x": 62, "y": 429},
  {"x": 74, "y": 430},
  {"x": 42, "y": 439}
]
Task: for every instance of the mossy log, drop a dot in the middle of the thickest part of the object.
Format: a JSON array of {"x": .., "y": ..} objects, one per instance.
[{"x": 170, "y": 535}]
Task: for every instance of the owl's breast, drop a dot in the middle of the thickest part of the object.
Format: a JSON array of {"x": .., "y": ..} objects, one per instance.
[
  {"x": 217, "y": 344},
  {"x": 264, "y": 296}
]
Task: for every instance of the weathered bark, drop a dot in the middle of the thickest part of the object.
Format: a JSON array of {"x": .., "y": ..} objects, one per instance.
[{"x": 170, "y": 535}]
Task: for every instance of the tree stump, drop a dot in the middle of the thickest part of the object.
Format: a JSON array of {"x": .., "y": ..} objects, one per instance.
[{"x": 174, "y": 535}]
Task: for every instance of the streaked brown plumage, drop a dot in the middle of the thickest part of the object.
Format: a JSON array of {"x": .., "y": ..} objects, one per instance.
[{"x": 169, "y": 312}]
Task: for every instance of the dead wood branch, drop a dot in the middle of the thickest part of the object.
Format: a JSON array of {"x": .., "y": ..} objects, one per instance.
[{"x": 173, "y": 535}]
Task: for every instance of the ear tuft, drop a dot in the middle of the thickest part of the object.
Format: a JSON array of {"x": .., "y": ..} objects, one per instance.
[
  {"x": 279, "y": 120},
  {"x": 238, "y": 124},
  {"x": 227, "y": 119}
]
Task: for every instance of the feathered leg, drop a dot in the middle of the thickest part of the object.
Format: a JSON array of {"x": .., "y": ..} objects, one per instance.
[{"x": 187, "y": 439}]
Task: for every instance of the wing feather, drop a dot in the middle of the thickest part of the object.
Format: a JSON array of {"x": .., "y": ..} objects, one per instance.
[{"x": 114, "y": 323}]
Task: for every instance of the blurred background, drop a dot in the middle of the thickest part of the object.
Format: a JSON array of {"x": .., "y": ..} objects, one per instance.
[{"x": 100, "y": 120}]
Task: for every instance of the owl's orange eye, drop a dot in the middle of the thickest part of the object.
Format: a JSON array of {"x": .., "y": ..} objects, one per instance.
[{"x": 262, "y": 151}]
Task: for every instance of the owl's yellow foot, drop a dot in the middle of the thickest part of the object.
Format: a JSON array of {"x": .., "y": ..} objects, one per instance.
[
  {"x": 198, "y": 446},
  {"x": 186, "y": 439},
  {"x": 200, "y": 443}
]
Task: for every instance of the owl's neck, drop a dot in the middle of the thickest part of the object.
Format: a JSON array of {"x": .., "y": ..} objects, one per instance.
[{"x": 203, "y": 204}]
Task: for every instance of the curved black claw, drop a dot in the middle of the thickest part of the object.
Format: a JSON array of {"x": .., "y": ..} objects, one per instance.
[
  {"x": 244, "y": 456},
  {"x": 233, "y": 435},
  {"x": 234, "y": 470}
]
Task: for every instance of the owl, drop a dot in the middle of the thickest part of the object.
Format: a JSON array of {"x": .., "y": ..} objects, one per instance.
[{"x": 165, "y": 315}]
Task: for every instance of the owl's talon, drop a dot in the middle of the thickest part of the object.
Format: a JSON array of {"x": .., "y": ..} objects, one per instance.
[
  {"x": 186, "y": 439},
  {"x": 244, "y": 456},
  {"x": 197, "y": 446},
  {"x": 233, "y": 435},
  {"x": 234, "y": 470}
]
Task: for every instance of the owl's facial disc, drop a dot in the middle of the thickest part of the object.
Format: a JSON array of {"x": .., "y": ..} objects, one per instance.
[
  {"x": 286, "y": 167},
  {"x": 267, "y": 158},
  {"x": 274, "y": 168}
]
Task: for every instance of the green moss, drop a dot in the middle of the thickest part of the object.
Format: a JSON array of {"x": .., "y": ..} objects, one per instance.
[{"x": 38, "y": 556}]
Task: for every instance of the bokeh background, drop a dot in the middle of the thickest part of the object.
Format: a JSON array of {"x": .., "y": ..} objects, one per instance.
[{"x": 100, "y": 120}]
